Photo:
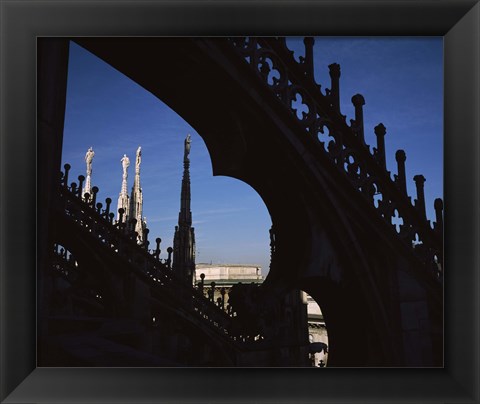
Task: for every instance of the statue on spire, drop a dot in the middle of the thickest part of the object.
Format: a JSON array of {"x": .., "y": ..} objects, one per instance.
[
  {"x": 125, "y": 164},
  {"x": 88, "y": 159},
  {"x": 138, "y": 160},
  {"x": 123, "y": 200},
  {"x": 188, "y": 141}
]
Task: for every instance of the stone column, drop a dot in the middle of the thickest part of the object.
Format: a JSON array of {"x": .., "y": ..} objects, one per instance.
[
  {"x": 334, "y": 70},
  {"x": 358, "y": 102},
  {"x": 420, "y": 201},
  {"x": 400, "y": 180},
  {"x": 380, "y": 132}
]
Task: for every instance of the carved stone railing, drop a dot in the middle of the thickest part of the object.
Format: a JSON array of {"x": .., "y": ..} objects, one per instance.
[
  {"x": 120, "y": 239},
  {"x": 64, "y": 263},
  {"x": 319, "y": 116}
]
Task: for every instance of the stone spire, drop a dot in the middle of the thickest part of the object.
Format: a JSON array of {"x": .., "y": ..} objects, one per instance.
[
  {"x": 184, "y": 239},
  {"x": 88, "y": 159},
  {"x": 136, "y": 200},
  {"x": 123, "y": 200}
]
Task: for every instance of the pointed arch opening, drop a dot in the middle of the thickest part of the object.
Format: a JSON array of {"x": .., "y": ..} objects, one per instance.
[{"x": 114, "y": 115}]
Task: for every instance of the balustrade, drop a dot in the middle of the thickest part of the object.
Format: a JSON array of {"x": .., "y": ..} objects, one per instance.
[
  {"x": 120, "y": 239},
  {"x": 344, "y": 145}
]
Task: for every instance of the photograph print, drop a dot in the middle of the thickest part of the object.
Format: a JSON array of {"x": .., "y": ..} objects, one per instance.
[{"x": 240, "y": 202}]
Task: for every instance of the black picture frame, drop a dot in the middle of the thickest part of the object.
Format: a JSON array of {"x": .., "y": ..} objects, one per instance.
[{"x": 22, "y": 22}]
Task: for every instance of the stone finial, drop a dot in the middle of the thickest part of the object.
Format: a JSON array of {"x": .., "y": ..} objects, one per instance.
[
  {"x": 169, "y": 259},
  {"x": 380, "y": 129},
  {"x": 334, "y": 70},
  {"x": 358, "y": 102},
  {"x": 419, "y": 179},
  {"x": 420, "y": 201},
  {"x": 81, "y": 178},
  {"x": 400, "y": 156},
  {"x": 380, "y": 132},
  {"x": 158, "y": 240},
  {"x": 308, "y": 61},
  {"x": 400, "y": 180},
  {"x": 438, "y": 205},
  {"x": 108, "y": 201},
  {"x": 121, "y": 212},
  {"x": 94, "y": 195},
  {"x": 67, "y": 168}
]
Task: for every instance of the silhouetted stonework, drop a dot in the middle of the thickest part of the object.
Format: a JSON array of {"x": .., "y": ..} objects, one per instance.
[
  {"x": 344, "y": 144},
  {"x": 110, "y": 277},
  {"x": 332, "y": 203},
  {"x": 184, "y": 238}
]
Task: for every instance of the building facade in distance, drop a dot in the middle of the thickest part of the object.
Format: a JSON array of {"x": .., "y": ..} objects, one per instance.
[{"x": 220, "y": 278}]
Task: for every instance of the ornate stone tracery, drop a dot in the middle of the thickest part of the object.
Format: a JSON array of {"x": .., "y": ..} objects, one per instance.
[{"x": 344, "y": 145}]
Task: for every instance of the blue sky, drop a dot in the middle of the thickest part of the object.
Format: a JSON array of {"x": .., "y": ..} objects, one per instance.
[{"x": 401, "y": 79}]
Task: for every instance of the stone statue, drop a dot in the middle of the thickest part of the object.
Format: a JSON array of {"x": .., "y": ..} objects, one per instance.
[
  {"x": 138, "y": 160},
  {"x": 188, "y": 141},
  {"x": 125, "y": 164},
  {"x": 88, "y": 159}
]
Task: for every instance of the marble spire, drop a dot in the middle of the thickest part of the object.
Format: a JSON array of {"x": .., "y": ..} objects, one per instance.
[
  {"x": 136, "y": 199},
  {"x": 123, "y": 199},
  {"x": 184, "y": 238}
]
